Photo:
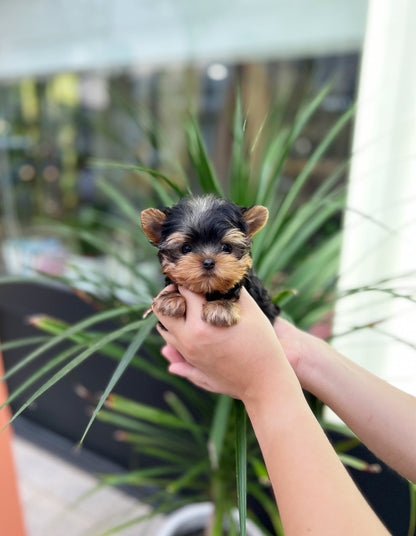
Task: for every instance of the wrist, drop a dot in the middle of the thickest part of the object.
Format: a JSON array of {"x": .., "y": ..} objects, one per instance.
[
  {"x": 276, "y": 413},
  {"x": 274, "y": 391},
  {"x": 318, "y": 366},
  {"x": 310, "y": 367}
]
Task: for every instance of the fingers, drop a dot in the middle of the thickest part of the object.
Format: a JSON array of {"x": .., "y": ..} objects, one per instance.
[
  {"x": 165, "y": 322},
  {"x": 171, "y": 354},
  {"x": 194, "y": 375},
  {"x": 180, "y": 367},
  {"x": 174, "y": 332},
  {"x": 165, "y": 333},
  {"x": 168, "y": 288},
  {"x": 192, "y": 319},
  {"x": 184, "y": 369},
  {"x": 246, "y": 300},
  {"x": 190, "y": 332},
  {"x": 194, "y": 303}
]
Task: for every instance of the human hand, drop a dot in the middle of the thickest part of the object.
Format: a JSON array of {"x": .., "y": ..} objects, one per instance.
[{"x": 239, "y": 360}]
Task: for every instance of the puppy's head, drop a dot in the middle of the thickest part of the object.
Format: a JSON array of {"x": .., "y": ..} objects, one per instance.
[{"x": 204, "y": 242}]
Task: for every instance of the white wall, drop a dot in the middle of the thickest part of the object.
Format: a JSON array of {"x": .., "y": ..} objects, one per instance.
[
  {"x": 382, "y": 244},
  {"x": 44, "y": 36}
]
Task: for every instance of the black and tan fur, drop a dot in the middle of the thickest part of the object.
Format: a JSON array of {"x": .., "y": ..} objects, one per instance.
[{"x": 204, "y": 245}]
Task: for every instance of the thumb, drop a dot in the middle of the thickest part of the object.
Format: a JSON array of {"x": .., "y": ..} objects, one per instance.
[{"x": 194, "y": 302}]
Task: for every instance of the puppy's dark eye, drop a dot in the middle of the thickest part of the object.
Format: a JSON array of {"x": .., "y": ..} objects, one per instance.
[
  {"x": 186, "y": 248},
  {"x": 226, "y": 248}
]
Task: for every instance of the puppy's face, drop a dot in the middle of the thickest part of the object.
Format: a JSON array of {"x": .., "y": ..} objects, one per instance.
[{"x": 204, "y": 242}]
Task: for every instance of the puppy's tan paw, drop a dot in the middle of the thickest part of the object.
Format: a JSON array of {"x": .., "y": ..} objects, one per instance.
[
  {"x": 221, "y": 313},
  {"x": 170, "y": 304}
]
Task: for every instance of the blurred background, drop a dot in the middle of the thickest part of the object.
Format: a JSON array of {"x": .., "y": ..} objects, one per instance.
[
  {"x": 116, "y": 80},
  {"x": 88, "y": 84}
]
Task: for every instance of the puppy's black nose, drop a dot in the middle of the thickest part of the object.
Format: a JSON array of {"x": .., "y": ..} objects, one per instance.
[{"x": 208, "y": 264}]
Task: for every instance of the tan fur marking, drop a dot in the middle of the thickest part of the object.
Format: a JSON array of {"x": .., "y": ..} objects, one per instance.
[
  {"x": 174, "y": 240},
  {"x": 237, "y": 238},
  {"x": 188, "y": 272},
  {"x": 170, "y": 304},
  {"x": 152, "y": 220},
  {"x": 255, "y": 218},
  {"x": 222, "y": 313}
]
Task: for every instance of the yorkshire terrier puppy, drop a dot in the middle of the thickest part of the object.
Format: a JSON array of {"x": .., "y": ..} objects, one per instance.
[{"x": 204, "y": 245}]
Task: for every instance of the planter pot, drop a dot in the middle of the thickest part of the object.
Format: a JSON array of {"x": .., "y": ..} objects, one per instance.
[{"x": 192, "y": 519}]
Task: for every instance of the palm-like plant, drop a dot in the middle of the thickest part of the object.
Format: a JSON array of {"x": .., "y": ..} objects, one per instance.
[{"x": 197, "y": 459}]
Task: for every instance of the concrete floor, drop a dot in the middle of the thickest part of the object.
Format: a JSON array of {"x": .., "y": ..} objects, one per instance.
[{"x": 52, "y": 477}]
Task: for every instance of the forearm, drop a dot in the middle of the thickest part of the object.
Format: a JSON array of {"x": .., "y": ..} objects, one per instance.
[
  {"x": 378, "y": 413},
  {"x": 314, "y": 493}
]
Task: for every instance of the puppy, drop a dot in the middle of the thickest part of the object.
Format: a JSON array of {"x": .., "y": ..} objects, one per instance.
[{"x": 204, "y": 245}]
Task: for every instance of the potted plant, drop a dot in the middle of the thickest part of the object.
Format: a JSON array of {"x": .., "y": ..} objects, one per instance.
[
  {"x": 193, "y": 518},
  {"x": 198, "y": 431}
]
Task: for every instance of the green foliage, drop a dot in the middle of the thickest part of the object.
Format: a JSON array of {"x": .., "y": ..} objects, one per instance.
[
  {"x": 195, "y": 456},
  {"x": 412, "y": 520}
]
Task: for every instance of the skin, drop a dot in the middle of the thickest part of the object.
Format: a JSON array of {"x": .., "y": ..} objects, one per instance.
[
  {"x": 248, "y": 361},
  {"x": 382, "y": 416}
]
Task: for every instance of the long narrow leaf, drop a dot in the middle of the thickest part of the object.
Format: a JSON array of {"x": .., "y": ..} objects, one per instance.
[
  {"x": 220, "y": 423},
  {"x": 19, "y": 343},
  {"x": 140, "y": 169},
  {"x": 199, "y": 156},
  {"x": 124, "y": 204},
  {"x": 239, "y": 169},
  {"x": 303, "y": 278},
  {"x": 268, "y": 177},
  {"x": 75, "y": 363},
  {"x": 301, "y": 120},
  {"x": 153, "y": 436},
  {"x": 43, "y": 371},
  {"x": 303, "y": 225},
  {"x": 412, "y": 510},
  {"x": 70, "y": 331},
  {"x": 183, "y": 413},
  {"x": 147, "y": 413},
  {"x": 135, "y": 477},
  {"x": 241, "y": 463},
  {"x": 159, "y": 372},
  {"x": 57, "y": 327},
  {"x": 161, "y": 453},
  {"x": 358, "y": 464},
  {"x": 269, "y": 506},
  {"x": 104, "y": 246},
  {"x": 188, "y": 476},
  {"x": 137, "y": 342},
  {"x": 13, "y": 279},
  {"x": 299, "y": 182}
]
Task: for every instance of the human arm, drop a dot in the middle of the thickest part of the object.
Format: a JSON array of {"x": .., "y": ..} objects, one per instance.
[
  {"x": 314, "y": 492},
  {"x": 382, "y": 416}
]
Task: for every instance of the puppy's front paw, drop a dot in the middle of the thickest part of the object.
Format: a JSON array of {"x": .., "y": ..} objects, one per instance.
[
  {"x": 221, "y": 313},
  {"x": 170, "y": 304}
]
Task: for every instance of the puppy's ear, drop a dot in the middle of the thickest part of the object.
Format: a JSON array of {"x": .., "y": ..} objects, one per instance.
[
  {"x": 255, "y": 218},
  {"x": 152, "y": 221}
]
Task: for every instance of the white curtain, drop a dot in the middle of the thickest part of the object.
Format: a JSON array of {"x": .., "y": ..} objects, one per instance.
[{"x": 380, "y": 223}]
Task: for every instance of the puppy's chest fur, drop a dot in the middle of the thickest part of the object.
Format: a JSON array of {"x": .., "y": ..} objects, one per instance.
[{"x": 204, "y": 245}]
